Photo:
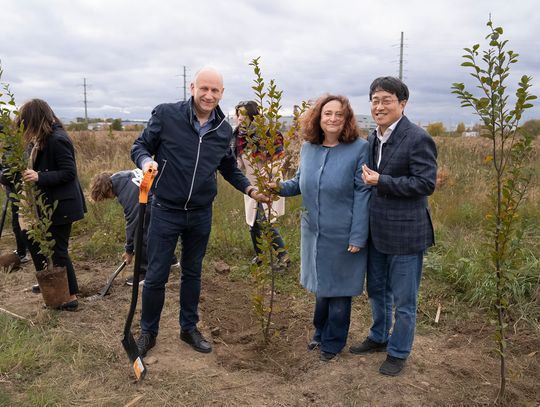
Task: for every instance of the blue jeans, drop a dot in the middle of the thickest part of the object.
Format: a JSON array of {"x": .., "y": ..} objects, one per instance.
[
  {"x": 166, "y": 226},
  {"x": 393, "y": 280},
  {"x": 332, "y": 319}
]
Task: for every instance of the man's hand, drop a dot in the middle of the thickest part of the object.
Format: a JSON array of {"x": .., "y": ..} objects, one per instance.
[
  {"x": 30, "y": 176},
  {"x": 369, "y": 177},
  {"x": 127, "y": 257},
  {"x": 149, "y": 164},
  {"x": 260, "y": 197},
  {"x": 254, "y": 193},
  {"x": 353, "y": 249}
]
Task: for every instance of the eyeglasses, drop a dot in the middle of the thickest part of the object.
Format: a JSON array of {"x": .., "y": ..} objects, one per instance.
[{"x": 383, "y": 101}]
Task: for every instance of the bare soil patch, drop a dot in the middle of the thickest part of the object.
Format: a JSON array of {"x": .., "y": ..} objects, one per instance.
[{"x": 452, "y": 364}]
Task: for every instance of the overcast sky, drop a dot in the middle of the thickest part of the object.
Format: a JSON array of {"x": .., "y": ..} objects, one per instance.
[{"x": 132, "y": 52}]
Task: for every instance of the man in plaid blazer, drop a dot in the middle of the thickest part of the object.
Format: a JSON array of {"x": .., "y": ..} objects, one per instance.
[{"x": 402, "y": 172}]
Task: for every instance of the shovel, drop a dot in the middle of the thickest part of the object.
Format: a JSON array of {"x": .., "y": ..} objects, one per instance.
[
  {"x": 105, "y": 290},
  {"x": 128, "y": 341}
]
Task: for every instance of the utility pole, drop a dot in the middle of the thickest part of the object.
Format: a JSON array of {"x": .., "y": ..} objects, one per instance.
[
  {"x": 85, "y": 102},
  {"x": 185, "y": 89},
  {"x": 401, "y": 57}
]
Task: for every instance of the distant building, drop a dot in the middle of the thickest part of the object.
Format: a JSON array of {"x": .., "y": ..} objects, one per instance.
[
  {"x": 366, "y": 122},
  {"x": 134, "y": 122},
  {"x": 470, "y": 134}
]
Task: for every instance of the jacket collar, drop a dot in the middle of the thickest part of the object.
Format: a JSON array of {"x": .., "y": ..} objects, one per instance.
[
  {"x": 399, "y": 133},
  {"x": 219, "y": 117}
]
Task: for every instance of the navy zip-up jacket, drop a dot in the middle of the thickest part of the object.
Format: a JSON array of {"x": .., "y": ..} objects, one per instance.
[
  {"x": 125, "y": 186},
  {"x": 187, "y": 162}
]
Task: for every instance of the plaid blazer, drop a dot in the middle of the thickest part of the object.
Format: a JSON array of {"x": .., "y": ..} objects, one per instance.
[{"x": 399, "y": 217}]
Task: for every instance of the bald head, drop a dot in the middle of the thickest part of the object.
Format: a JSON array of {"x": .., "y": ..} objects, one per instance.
[
  {"x": 207, "y": 91},
  {"x": 208, "y": 71}
]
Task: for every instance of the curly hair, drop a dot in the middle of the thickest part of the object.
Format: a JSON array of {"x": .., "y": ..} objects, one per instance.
[
  {"x": 101, "y": 186},
  {"x": 311, "y": 121}
]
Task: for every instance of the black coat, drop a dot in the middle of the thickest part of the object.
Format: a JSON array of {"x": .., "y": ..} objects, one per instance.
[{"x": 57, "y": 177}]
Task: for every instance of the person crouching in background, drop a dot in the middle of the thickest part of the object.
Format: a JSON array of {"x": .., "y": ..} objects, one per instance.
[{"x": 124, "y": 186}]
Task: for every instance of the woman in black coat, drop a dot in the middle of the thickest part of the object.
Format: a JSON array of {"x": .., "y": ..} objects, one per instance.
[{"x": 53, "y": 169}]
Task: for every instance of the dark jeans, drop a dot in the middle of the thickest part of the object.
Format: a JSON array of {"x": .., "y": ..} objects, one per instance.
[
  {"x": 393, "y": 281},
  {"x": 60, "y": 257},
  {"x": 166, "y": 226},
  {"x": 144, "y": 254},
  {"x": 256, "y": 232},
  {"x": 332, "y": 319}
]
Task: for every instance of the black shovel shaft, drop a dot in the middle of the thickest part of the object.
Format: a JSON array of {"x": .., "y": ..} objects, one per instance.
[
  {"x": 136, "y": 270},
  {"x": 103, "y": 292}
]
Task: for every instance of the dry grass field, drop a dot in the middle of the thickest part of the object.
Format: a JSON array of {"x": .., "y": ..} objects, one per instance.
[{"x": 76, "y": 359}]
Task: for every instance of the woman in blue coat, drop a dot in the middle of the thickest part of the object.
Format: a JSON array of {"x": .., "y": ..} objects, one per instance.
[{"x": 334, "y": 226}]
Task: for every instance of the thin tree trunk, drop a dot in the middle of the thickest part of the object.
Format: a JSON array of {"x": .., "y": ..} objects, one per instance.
[{"x": 273, "y": 276}]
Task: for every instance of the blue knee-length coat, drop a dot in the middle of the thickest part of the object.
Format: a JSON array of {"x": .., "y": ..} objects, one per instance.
[{"x": 335, "y": 215}]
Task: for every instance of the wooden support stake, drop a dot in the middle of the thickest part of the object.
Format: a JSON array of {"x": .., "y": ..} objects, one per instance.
[
  {"x": 5, "y": 311},
  {"x": 438, "y": 315},
  {"x": 134, "y": 401}
]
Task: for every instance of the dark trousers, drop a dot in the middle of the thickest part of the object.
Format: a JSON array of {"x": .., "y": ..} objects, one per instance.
[
  {"x": 60, "y": 256},
  {"x": 166, "y": 226},
  {"x": 144, "y": 254},
  {"x": 332, "y": 319},
  {"x": 256, "y": 232},
  {"x": 19, "y": 235}
]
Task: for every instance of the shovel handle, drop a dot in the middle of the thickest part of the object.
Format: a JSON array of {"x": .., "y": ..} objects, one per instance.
[{"x": 146, "y": 184}]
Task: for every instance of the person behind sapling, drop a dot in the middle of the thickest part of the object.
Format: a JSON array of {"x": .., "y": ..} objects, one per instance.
[
  {"x": 255, "y": 211},
  {"x": 53, "y": 169}
]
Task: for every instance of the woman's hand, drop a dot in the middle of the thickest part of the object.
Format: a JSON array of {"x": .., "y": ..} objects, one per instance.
[
  {"x": 273, "y": 186},
  {"x": 30, "y": 176},
  {"x": 353, "y": 249}
]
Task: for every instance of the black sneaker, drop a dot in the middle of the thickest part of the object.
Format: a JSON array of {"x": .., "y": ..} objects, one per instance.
[
  {"x": 196, "y": 340},
  {"x": 368, "y": 346},
  {"x": 327, "y": 356},
  {"x": 145, "y": 342},
  {"x": 314, "y": 344},
  {"x": 23, "y": 258},
  {"x": 392, "y": 366},
  {"x": 36, "y": 289}
]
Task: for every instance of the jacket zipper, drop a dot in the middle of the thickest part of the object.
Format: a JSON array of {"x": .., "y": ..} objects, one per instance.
[
  {"x": 194, "y": 171},
  {"x": 161, "y": 172},
  {"x": 197, "y": 162}
]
